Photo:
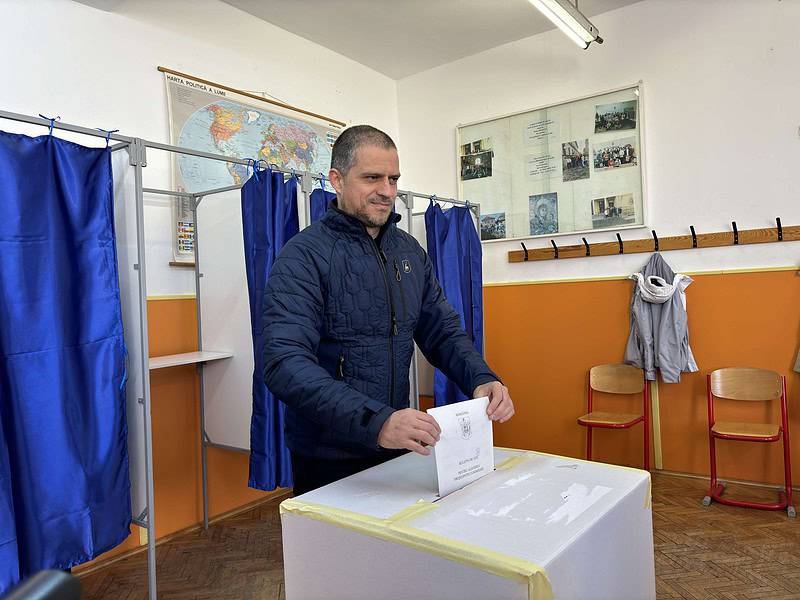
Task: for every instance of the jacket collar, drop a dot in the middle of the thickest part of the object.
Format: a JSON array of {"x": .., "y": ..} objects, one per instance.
[{"x": 338, "y": 220}]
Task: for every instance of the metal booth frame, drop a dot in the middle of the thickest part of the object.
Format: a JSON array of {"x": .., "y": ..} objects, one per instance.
[{"x": 137, "y": 148}]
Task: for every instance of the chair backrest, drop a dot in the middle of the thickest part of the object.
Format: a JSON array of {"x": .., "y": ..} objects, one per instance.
[
  {"x": 616, "y": 379},
  {"x": 739, "y": 383}
]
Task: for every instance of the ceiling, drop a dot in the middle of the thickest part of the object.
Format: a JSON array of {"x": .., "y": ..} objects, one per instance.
[{"x": 403, "y": 37}]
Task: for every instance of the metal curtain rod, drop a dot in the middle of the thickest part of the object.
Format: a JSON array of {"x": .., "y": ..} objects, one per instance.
[
  {"x": 474, "y": 206},
  {"x": 11, "y": 116}
]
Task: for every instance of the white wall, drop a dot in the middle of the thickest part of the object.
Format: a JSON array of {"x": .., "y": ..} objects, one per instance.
[
  {"x": 722, "y": 110},
  {"x": 98, "y": 69}
]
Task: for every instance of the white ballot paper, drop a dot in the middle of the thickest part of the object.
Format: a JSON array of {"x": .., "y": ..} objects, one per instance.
[{"x": 464, "y": 451}]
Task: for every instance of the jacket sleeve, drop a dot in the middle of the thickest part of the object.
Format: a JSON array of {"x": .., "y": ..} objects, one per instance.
[
  {"x": 292, "y": 320},
  {"x": 444, "y": 342}
]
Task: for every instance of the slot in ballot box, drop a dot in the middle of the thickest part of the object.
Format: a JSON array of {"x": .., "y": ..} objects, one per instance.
[{"x": 538, "y": 527}]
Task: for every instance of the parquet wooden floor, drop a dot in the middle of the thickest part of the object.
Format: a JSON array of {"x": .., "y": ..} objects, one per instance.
[{"x": 719, "y": 553}]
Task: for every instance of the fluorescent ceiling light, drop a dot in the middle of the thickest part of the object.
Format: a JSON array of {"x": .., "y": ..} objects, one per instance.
[{"x": 570, "y": 20}]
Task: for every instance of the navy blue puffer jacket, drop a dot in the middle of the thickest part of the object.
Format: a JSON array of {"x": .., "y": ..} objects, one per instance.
[{"x": 341, "y": 315}]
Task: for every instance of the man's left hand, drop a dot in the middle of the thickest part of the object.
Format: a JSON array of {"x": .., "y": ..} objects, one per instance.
[{"x": 501, "y": 408}]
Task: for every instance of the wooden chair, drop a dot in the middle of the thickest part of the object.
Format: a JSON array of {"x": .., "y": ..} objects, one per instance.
[
  {"x": 617, "y": 379},
  {"x": 757, "y": 385}
]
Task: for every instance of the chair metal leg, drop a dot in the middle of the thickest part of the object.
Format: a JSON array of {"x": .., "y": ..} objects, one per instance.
[
  {"x": 714, "y": 488},
  {"x": 787, "y": 470},
  {"x": 589, "y": 443}
]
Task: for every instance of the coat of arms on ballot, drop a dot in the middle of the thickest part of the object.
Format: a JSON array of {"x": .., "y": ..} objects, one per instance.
[{"x": 465, "y": 427}]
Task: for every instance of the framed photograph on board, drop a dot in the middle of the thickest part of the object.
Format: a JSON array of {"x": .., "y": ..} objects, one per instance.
[{"x": 572, "y": 167}]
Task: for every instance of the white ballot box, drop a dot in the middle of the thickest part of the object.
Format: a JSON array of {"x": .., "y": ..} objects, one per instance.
[{"x": 538, "y": 527}]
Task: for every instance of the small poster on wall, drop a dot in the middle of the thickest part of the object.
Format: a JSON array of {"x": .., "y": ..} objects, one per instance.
[
  {"x": 493, "y": 226},
  {"x": 575, "y": 159},
  {"x": 614, "y": 117},
  {"x": 543, "y": 213},
  {"x": 613, "y": 211},
  {"x": 615, "y": 154},
  {"x": 540, "y": 132},
  {"x": 541, "y": 165},
  {"x": 476, "y": 159}
]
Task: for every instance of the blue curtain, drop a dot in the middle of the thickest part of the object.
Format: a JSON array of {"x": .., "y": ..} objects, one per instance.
[
  {"x": 455, "y": 251},
  {"x": 320, "y": 199},
  {"x": 9, "y": 553},
  {"x": 269, "y": 220},
  {"x": 62, "y": 357}
]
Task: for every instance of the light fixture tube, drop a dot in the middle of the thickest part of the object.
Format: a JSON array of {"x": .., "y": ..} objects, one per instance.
[{"x": 570, "y": 20}]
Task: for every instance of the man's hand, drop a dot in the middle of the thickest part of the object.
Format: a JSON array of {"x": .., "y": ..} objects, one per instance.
[
  {"x": 501, "y": 408},
  {"x": 409, "y": 429}
]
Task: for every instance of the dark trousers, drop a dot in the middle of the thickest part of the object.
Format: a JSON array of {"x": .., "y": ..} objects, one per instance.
[{"x": 312, "y": 473}]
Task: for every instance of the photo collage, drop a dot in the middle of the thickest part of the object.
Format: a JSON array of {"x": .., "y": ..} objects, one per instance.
[{"x": 572, "y": 167}]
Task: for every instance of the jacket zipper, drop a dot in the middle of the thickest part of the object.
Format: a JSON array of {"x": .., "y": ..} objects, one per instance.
[
  {"x": 379, "y": 254},
  {"x": 340, "y": 370},
  {"x": 399, "y": 277}
]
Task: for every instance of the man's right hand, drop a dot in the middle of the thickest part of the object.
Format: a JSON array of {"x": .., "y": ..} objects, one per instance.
[{"x": 409, "y": 429}]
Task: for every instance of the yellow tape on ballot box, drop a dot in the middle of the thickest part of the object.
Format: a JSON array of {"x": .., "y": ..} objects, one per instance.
[{"x": 396, "y": 529}]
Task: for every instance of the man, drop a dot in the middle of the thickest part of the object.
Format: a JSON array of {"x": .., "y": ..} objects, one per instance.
[{"x": 345, "y": 301}]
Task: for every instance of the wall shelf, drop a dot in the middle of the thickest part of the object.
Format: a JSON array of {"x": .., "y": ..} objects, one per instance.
[{"x": 187, "y": 358}]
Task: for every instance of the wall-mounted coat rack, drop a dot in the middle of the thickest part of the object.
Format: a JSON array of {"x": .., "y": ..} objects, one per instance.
[{"x": 735, "y": 237}]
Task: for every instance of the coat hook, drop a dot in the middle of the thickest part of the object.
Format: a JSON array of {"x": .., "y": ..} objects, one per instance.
[
  {"x": 526, "y": 251},
  {"x": 585, "y": 243},
  {"x": 555, "y": 249},
  {"x": 735, "y": 234},
  {"x": 780, "y": 229},
  {"x": 655, "y": 239},
  {"x": 621, "y": 246},
  {"x": 694, "y": 237}
]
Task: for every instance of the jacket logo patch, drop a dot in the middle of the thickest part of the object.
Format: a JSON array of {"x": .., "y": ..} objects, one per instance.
[{"x": 406, "y": 266}]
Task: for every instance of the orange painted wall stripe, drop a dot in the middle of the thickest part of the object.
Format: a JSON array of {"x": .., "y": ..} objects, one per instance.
[{"x": 542, "y": 339}]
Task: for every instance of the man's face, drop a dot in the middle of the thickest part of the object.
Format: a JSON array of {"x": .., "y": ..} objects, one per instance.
[{"x": 368, "y": 190}]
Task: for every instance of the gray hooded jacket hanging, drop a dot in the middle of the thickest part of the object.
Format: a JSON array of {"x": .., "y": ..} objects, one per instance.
[{"x": 659, "y": 334}]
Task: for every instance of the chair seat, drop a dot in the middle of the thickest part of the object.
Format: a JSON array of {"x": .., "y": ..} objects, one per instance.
[
  {"x": 754, "y": 430},
  {"x": 607, "y": 418}
]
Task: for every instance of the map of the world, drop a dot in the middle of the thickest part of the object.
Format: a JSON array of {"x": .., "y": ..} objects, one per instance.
[
  {"x": 218, "y": 121},
  {"x": 234, "y": 129}
]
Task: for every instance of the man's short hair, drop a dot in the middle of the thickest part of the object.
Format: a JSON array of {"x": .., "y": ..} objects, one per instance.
[{"x": 351, "y": 139}]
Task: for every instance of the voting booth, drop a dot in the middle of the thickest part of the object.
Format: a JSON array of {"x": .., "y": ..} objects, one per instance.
[{"x": 538, "y": 527}]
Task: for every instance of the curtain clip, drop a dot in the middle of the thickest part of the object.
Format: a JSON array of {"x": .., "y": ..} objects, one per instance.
[
  {"x": 108, "y": 133},
  {"x": 52, "y": 122}
]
